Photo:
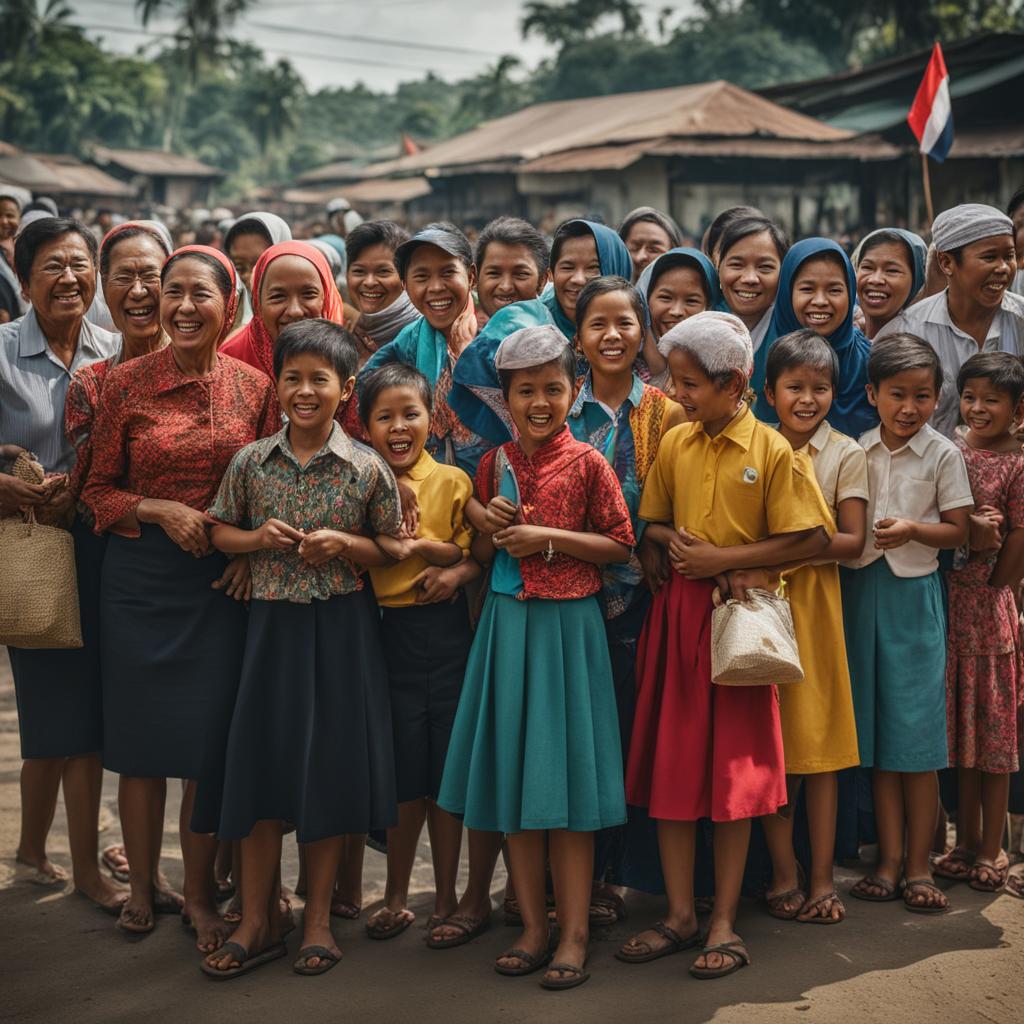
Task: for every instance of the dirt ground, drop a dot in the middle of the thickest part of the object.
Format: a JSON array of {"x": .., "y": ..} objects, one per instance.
[{"x": 63, "y": 961}]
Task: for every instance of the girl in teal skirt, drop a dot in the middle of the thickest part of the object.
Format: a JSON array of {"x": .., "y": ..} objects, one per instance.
[{"x": 535, "y": 749}]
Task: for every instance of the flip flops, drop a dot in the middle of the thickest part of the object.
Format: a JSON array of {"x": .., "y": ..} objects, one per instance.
[
  {"x": 737, "y": 954},
  {"x": 606, "y": 909},
  {"x": 997, "y": 870},
  {"x": 577, "y": 976},
  {"x": 348, "y": 911},
  {"x": 779, "y": 905},
  {"x": 860, "y": 889},
  {"x": 923, "y": 885},
  {"x": 246, "y": 962},
  {"x": 818, "y": 901},
  {"x": 943, "y": 866},
  {"x": 167, "y": 902},
  {"x": 400, "y": 920},
  {"x": 468, "y": 928},
  {"x": 1014, "y": 887},
  {"x": 676, "y": 944},
  {"x": 119, "y": 872},
  {"x": 327, "y": 960},
  {"x": 531, "y": 963},
  {"x": 127, "y": 922}
]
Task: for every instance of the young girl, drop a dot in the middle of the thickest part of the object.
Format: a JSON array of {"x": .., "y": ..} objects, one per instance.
[
  {"x": 426, "y": 637},
  {"x": 310, "y": 738},
  {"x": 724, "y": 496},
  {"x": 817, "y": 290},
  {"x": 819, "y": 733},
  {"x": 919, "y": 503},
  {"x": 535, "y": 747},
  {"x": 983, "y": 672},
  {"x": 625, "y": 420}
]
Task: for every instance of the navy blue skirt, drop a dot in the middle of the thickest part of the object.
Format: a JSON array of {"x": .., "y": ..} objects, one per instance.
[
  {"x": 171, "y": 653},
  {"x": 310, "y": 737},
  {"x": 60, "y": 707}
]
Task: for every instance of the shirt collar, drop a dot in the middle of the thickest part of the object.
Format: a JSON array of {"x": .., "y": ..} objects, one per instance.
[
  {"x": 918, "y": 444},
  {"x": 32, "y": 341},
  {"x": 819, "y": 438},
  {"x": 338, "y": 443},
  {"x": 740, "y": 429},
  {"x": 423, "y": 467},
  {"x": 586, "y": 395},
  {"x": 939, "y": 314}
]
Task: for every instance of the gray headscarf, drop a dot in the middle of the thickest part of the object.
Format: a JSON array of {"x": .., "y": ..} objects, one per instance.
[
  {"x": 273, "y": 226},
  {"x": 21, "y": 197},
  {"x": 967, "y": 223}
]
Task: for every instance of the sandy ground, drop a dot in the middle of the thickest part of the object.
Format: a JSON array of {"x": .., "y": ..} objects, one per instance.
[{"x": 62, "y": 960}]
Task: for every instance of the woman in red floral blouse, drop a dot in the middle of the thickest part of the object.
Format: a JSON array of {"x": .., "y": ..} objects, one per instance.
[{"x": 172, "y": 641}]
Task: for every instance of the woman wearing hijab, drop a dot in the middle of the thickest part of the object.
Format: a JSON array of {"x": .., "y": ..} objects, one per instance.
[
  {"x": 890, "y": 266},
  {"x": 977, "y": 312},
  {"x": 580, "y": 251},
  {"x": 172, "y": 642},
  {"x": 12, "y": 201},
  {"x": 674, "y": 286},
  {"x": 750, "y": 255},
  {"x": 244, "y": 243},
  {"x": 648, "y": 233},
  {"x": 817, "y": 289}
]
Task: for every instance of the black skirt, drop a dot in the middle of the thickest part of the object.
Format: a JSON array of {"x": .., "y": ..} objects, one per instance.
[
  {"x": 425, "y": 647},
  {"x": 60, "y": 706},
  {"x": 310, "y": 738},
  {"x": 171, "y": 652}
]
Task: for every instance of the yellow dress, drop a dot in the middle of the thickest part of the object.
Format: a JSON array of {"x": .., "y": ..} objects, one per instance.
[{"x": 819, "y": 732}]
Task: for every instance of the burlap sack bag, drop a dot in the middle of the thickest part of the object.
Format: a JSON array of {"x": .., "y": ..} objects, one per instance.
[{"x": 753, "y": 642}]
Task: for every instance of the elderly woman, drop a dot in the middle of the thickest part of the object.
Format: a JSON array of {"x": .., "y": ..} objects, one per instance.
[
  {"x": 977, "y": 312},
  {"x": 12, "y": 200},
  {"x": 648, "y": 234},
  {"x": 167, "y": 427},
  {"x": 890, "y": 266},
  {"x": 59, "y": 698}
]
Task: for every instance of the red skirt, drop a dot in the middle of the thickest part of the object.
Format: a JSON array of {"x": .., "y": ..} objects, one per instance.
[{"x": 699, "y": 750}]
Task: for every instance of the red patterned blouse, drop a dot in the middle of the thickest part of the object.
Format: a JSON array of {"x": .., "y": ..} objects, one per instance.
[
  {"x": 567, "y": 485},
  {"x": 161, "y": 434}
]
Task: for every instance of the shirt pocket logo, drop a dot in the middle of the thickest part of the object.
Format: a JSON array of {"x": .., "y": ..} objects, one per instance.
[{"x": 750, "y": 475}]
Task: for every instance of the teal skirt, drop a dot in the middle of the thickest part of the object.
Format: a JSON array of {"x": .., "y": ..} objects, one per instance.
[{"x": 535, "y": 743}]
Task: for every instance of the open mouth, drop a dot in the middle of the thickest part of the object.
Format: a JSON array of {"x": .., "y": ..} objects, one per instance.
[
  {"x": 188, "y": 328},
  {"x": 141, "y": 313},
  {"x": 995, "y": 288},
  {"x": 68, "y": 297},
  {"x": 818, "y": 318},
  {"x": 305, "y": 410},
  {"x": 371, "y": 294},
  {"x": 503, "y": 300},
  {"x": 875, "y": 298},
  {"x": 805, "y": 414},
  {"x": 440, "y": 306},
  {"x": 612, "y": 352},
  {"x": 399, "y": 447},
  {"x": 906, "y": 424},
  {"x": 539, "y": 420},
  {"x": 745, "y": 296}
]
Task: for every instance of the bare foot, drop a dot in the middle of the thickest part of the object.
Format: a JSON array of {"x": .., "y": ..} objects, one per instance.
[
  {"x": 318, "y": 936},
  {"x": 105, "y": 894},
  {"x": 210, "y": 928},
  {"x": 568, "y": 952},
  {"x": 43, "y": 870}
]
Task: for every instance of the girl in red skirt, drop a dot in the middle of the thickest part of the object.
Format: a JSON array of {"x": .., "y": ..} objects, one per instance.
[{"x": 724, "y": 499}]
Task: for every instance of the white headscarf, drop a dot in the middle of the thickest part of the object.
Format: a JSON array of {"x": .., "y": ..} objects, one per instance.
[{"x": 967, "y": 223}]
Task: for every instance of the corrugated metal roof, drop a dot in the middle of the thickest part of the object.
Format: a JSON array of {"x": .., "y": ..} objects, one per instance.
[
  {"x": 987, "y": 143},
  {"x": 74, "y": 177},
  {"x": 374, "y": 190},
  {"x": 709, "y": 109},
  {"x": 157, "y": 162},
  {"x": 21, "y": 169},
  {"x": 340, "y": 170}
]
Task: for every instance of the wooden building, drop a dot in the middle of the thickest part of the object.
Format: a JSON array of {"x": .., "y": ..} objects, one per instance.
[{"x": 159, "y": 177}]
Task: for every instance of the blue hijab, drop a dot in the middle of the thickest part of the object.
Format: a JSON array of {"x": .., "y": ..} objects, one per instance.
[
  {"x": 682, "y": 256},
  {"x": 918, "y": 256},
  {"x": 851, "y": 412},
  {"x": 614, "y": 258}
]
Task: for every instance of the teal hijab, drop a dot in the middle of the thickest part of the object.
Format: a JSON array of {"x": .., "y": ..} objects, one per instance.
[
  {"x": 682, "y": 256},
  {"x": 614, "y": 258},
  {"x": 918, "y": 256}
]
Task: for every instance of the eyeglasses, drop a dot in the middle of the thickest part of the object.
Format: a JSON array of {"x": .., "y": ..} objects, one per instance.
[
  {"x": 128, "y": 278},
  {"x": 77, "y": 268}
]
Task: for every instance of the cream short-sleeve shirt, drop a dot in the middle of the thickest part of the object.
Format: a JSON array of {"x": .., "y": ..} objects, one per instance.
[{"x": 840, "y": 465}]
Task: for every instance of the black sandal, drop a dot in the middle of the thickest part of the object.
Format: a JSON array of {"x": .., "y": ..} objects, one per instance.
[
  {"x": 735, "y": 950},
  {"x": 531, "y": 963},
  {"x": 676, "y": 944},
  {"x": 577, "y": 975},
  {"x": 322, "y": 953}
]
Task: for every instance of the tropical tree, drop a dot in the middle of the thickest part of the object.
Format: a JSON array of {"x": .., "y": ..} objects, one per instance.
[
  {"x": 31, "y": 25},
  {"x": 563, "y": 24},
  {"x": 202, "y": 26}
]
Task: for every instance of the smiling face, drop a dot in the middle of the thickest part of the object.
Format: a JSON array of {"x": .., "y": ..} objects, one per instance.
[
  {"x": 373, "y": 281},
  {"x": 398, "y": 426},
  {"x": 10, "y": 218},
  {"x": 438, "y": 285},
  {"x": 989, "y": 412},
  {"x": 507, "y": 274},
  {"x": 820, "y": 298},
  {"x": 802, "y": 397},
  {"x": 132, "y": 287},
  {"x": 646, "y": 241},
  {"x": 539, "y": 399},
  {"x": 677, "y": 294},
  {"x": 884, "y": 280},
  {"x": 310, "y": 391},
  {"x": 905, "y": 403},
  {"x": 289, "y": 291},
  {"x": 983, "y": 272},
  {"x": 703, "y": 399},
  {"x": 245, "y": 250},
  {"x": 192, "y": 306},
  {"x": 610, "y": 335},
  {"x": 749, "y": 274},
  {"x": 62, "y": 282},
  {"x": 576, "y": 265}
]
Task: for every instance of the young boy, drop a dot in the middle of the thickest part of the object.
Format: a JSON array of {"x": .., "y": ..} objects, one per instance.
[
  {"x": 920, "y": 501},
  {"x": 512, "y": 265},
  {"x": 426, "y": 639}
]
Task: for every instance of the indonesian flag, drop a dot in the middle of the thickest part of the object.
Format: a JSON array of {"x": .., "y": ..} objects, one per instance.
[{"x": 931, "y": 115}]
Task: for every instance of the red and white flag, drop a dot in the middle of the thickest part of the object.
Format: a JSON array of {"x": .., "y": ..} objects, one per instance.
[{"x": 931, "y": 115}]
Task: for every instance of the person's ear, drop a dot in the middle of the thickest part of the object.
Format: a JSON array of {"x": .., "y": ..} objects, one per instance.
[
  {"x": 472, "y": 275},
  {"x": 769, "y": 393},
  {"x": 872, "y": 396},
  {"x": 347, "y": 388},
  {"x": 946, "y": 262}
]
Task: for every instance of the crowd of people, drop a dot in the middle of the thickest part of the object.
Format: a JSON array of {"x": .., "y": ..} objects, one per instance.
[{"x": 386, "y": 529}]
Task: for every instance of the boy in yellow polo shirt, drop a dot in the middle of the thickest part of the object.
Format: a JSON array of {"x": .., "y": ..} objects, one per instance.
[{"x": 425, "y": 633}]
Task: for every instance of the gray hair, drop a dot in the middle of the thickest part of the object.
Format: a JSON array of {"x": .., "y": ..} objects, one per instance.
[{"x": 718, "y": 342}]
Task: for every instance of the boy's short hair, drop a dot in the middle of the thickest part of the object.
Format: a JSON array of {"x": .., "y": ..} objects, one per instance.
[
  {"x": 318, "y": 337},
  {"x": 373, "y": 232},
  {"x": 392, "y": 375},
  {"x": 565, "y": 361},
  {"x": 901, "y": 352},
  {"x": 515, "y": 231},
  {"x": 605, "y": 285},
  {"x": 1003, "y": 370},
  {"x": 801, "y": 348}
]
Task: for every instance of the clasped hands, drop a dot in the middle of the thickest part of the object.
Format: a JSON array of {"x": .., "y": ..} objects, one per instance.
[{"x": 518, "y": 539}]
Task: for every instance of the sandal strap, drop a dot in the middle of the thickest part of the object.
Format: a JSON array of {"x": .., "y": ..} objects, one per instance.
[
  {"x": 519, "y": 954},
  {"x": 320, "y": 952},
  {"x": 876, "y": 882},
  {"x": 667, "y": 933},
  {"x": 571, "y": 968},
  {"x": 463, "y": 922},
  {"x": 736, "y": 948}
]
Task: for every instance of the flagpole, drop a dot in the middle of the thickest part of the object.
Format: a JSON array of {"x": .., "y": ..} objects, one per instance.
[{"x": 927, "y": 181}]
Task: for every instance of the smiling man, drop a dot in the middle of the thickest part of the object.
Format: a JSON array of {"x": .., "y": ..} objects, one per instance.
[{"x": 976, "y": 312}]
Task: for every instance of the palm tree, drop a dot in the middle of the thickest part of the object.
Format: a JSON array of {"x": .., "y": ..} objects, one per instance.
[
  {"x": 562, "y": 24},
  {"x": 30, "y": 26},
  {"x": 270, "y": 98},
  {"x": 202, "y": 26}
]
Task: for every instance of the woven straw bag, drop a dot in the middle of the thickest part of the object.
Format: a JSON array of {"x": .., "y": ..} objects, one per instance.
[
  {"x": 753, "y": 642},
  {"x": 38, "y": 585}
]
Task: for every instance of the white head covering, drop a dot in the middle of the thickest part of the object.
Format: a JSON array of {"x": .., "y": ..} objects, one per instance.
[
  {"x": 21, "y": 197},
  {"x": 31, "y": 217},
  {"x": 719, "y": 342},
  {"x": 276, "y": 227},
  {"x": 967, "y": 223},
  {"x": 530, "y": 346}
]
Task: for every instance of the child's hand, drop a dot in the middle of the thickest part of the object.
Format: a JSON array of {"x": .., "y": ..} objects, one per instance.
[
  {"x": 653, "y": 562},
  {"x": 236, "y": 580},
  {"x": 397, "y": 548},
  {"x": 694, "y": 558},
  {"x": 321, "y": 546},
  {"x": 522, "y": 540},
  {"x": 893, "y": 533},
  {"x": 437, "y": 584},
  {"x": 276, "y": 535},
  {"x": 985, "y": 525},
  {"x": 410, "y": 509},
  {"x": 501, "y": 513},
  {"x": 739, "y": 581}
]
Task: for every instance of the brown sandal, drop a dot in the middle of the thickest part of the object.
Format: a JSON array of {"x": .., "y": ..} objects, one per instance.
[
  {"x": 813, "y": 905},
  {"x": 779, "y": 905},
  {"x": 859, "y": 890},
  {"x": 947, "y": 865},
  {"x": 738, "y": 957},
  {"x": 917, "y": 886},
  {"x": 997, "y": 871},
  {"x": 644, "y": 952}
]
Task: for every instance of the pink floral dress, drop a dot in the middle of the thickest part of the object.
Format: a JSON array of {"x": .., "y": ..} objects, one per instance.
[{"x": 984, "y": 667}]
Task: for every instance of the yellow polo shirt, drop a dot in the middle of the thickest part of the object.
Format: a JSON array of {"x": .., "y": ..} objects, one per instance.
[
  {"x": 737, "y": 488},
  {"x": 443, "y": 493}
]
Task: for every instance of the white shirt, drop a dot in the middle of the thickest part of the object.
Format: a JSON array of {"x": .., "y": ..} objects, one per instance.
[
  {"x": 840, "y": 466},
  {"x": 929, "y": 319},
  {"x": 760, "y": 329},
  {"x": 925, "y": 477}
]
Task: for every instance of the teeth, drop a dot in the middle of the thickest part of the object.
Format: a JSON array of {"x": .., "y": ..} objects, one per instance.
[
  {"x": 399, "y": 446},
  {"x": 819, "y": 318},
  {"x": 440, "y": 304},
  {"x": 746, "y": 295},
  {"x": 876, "y": 296},
  {"x": 612, "y": 353},
  {"x": 188, "y": 326}
]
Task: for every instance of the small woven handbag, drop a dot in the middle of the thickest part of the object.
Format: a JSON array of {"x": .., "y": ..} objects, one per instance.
[
  {"x": 753, "y": 642},
  {"x": 38, "y": 584}
]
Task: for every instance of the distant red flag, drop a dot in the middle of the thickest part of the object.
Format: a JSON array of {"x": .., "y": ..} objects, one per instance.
[
  {"x": 409, "y": 146},
  {"x": 931, "y": 116}
]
